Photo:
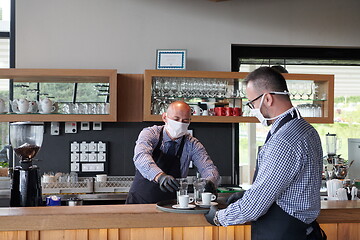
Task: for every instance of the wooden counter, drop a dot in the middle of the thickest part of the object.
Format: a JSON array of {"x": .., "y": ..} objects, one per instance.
[{"x": 340, "y": 220}]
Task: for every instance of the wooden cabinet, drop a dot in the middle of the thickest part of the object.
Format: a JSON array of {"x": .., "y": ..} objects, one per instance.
[
  {"x": 79, "y": 94},
  {"x": 313, "y": 94}
]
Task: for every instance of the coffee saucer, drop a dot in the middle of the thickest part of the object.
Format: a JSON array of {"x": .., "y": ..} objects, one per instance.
[
  {"x": 48, "y": 112},
  {"x": 200, "y": 204},
  {"x": 190, "y": 206}
]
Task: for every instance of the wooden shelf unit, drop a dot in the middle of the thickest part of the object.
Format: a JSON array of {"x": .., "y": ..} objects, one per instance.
[
  {"x": 325, "y": 85},
  {"x": 64, "y": 76}
]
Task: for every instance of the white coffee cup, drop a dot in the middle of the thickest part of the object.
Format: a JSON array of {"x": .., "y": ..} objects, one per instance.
[
  {"x": 46, "y": 105},
  {"x": 183, "y": 192},
  {"x": 207, "y": 197},
  {"x": 101, "y": 177},
  {"x": 184, "y": 201}
]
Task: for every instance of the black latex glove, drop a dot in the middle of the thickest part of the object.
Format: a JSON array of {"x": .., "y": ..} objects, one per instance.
[
  {"x": 210, "y": 215},
  {"x": 210, "y": 187},
  {"x": 234, "y": 197},
  {"x": 168, "y": 183}
]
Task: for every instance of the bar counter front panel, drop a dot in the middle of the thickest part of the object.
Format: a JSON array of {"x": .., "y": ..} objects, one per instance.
[{"x": 339, "y": 219}]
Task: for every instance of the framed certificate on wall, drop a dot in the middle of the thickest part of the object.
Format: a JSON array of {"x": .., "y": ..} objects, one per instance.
[{"x": 171, "y": 59}]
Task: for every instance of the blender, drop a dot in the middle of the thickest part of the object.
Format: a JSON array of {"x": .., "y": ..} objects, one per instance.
[
  {"x": 26, "y": 139},
  {"x": 335, "y": 164},
  {"x": 331, "y": 146}
]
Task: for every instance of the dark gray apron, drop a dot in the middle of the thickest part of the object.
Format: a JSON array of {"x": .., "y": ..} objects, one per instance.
[
  {"x": 144, "y": 191},
  {"x": 276, "y": 224}
]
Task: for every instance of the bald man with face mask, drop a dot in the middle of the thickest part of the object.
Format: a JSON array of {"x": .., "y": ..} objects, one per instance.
[{"x": 163, "y": 153}]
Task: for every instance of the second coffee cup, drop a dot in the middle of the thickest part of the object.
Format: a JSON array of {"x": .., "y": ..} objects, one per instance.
[{"x": 207, "y": 197}]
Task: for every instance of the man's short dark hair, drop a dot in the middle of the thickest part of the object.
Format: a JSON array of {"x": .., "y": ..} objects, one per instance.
[
  {"x": 267, "y": 79},
  {"x": 279, "y": 68}
]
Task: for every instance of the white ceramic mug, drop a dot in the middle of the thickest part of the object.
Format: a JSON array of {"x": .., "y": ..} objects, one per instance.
[
  {"x": 184, "y": 200},
  {"x": 207, "y": 197}
]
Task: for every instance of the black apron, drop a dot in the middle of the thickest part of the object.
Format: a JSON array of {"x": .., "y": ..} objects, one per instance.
[
  {"x": 276, "y": 224},
  {"x": 144, "y": 191}
]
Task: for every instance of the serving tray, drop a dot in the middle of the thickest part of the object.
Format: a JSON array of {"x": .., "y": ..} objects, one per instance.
[{"x": 166, "y": 206}]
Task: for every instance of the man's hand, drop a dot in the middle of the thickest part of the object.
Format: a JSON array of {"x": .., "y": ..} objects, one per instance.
[
  {"x": 211, "y": 216},
  {"x": 234, "y": 197},
  {"x": 210, "y": 187},
  {"x": 168, "y": 183}
]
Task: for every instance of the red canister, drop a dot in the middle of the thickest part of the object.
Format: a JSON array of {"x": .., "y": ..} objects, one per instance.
[
  {"x": 237, "y": 111},
  {"x": 228, "y": 111},
  {"x": 219, "y": 111}
]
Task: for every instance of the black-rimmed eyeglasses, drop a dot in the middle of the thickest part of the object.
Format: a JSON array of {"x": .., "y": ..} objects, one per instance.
[{"x": 250, "y": 104}]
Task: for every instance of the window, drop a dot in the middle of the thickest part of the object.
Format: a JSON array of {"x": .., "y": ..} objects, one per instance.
[{"x": 343, "y": 63}]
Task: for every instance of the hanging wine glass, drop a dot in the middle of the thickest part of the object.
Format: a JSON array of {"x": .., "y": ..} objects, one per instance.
[{"x": 309, "y": 89}]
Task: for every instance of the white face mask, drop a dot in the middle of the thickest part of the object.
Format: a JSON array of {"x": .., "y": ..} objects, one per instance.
[
  {"x": 257, "y": 113},
  {"x": 176, "y": 129}
]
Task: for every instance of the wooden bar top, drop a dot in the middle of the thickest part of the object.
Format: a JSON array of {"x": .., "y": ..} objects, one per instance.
[{"x": 135, "y": 216}]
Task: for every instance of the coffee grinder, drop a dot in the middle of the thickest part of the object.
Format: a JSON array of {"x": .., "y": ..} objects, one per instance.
[{"x": 26, "y": 139}]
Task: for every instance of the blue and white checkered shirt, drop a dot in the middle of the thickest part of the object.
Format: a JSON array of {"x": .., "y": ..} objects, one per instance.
[
  {"x": 290, "y": 166},
  {"x": 193, "y": 150}
]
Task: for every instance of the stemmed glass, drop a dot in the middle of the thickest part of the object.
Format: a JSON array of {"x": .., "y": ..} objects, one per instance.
[
  {"x": 292, "y": 89},
  {"x": 173, "y": 87},
  {"x": 301, "y": 89},
  {"x": 166, "y": 87},
  {"x": 157, "y": 86},
  {"x": 309, "y": 90}
]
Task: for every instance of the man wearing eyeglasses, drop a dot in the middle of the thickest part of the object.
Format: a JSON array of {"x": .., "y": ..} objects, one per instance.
[
  {"x": 163, "y": 153},
  {"x": 284, "y": 199}
]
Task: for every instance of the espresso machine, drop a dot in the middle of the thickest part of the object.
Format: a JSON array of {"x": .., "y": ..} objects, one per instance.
[{"x": 26, "y": 139}]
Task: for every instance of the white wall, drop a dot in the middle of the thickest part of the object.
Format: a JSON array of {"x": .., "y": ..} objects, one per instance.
[{"x": 124, "y": 34}]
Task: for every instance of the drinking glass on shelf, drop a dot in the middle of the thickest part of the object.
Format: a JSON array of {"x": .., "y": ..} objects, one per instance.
[
  {"x": 181, "y": 87},
  {"x": 309, "y": 90},
  {"x": 301, "y": 89},
  {"x": 166, "y": 87},
  {"x": 99, "y": 109},
  {"x": 92, "y": 108},
  {"x": 83, "y": 108},
  {"x": 213, "y": 90},
  {"x": 173, "y": 87},
  {"x": 292, "y": 88},
  {"x": 157, "y": 86},
  {"x": 68, "y": 108}
]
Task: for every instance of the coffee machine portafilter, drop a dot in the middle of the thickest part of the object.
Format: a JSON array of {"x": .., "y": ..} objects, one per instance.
[{"x": 26, "y": 139}]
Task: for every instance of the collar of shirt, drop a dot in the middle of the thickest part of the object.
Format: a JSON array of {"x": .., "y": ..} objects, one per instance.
[
  {"x": 167, "y": 138},
  {"x": 278, "y": 120}
]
